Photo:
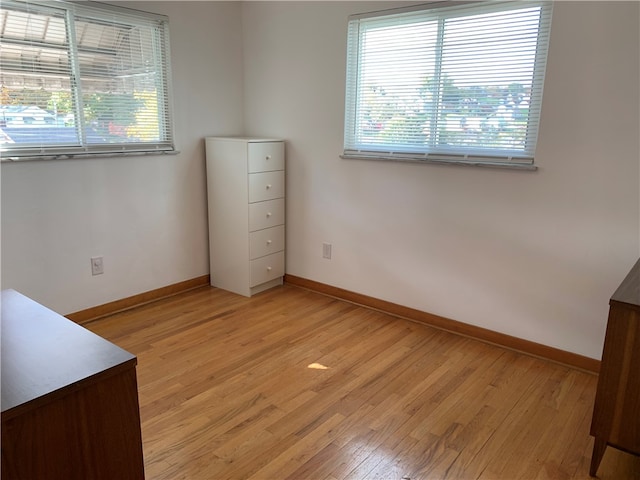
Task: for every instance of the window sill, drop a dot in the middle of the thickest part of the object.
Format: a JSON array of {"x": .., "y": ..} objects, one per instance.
[
  {"x": 79, "y": 156},
  {"x": 443, "y": 161}
]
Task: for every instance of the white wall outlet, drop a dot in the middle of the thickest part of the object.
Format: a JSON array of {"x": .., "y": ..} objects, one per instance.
[
  {"x": 97, "y": 266},
  {"x": 326, "y": 251}
]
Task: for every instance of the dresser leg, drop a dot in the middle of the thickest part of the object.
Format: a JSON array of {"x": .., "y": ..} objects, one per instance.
[{"x": 599, "y": 446}]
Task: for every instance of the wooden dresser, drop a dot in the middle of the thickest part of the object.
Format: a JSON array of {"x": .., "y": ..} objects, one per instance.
[
  {"x": 616, "y": 414},
  {"x": 69, "y": 399}
]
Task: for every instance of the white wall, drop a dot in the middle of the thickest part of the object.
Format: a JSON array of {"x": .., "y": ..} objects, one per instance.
[
  {"x": 145, "y": 215},
  {"x": 534, "y": 255}
]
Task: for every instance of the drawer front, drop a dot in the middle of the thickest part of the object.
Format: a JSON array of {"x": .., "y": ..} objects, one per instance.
[
  {"x": 266, "y": 186},
  {"x": 266, "y": 156},
  {"x": 267, "y": 268},
  {"x": 266, "y": 214},
  {"x": 266, "y": 242}
]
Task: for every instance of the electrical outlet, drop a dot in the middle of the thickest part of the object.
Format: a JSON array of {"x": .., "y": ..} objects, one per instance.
[
  {"x": 97, "y": 266},
  {"x": 326, "y": 251}
]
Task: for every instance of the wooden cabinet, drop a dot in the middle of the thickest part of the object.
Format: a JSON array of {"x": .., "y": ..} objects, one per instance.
[
  {"x": 69, "y": 399},
  {"x": 616, "y": 413},
  {"x": 246, "y": 209}
]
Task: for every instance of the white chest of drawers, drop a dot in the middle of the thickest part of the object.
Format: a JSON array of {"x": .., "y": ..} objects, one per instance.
[{"x": 245, "y": 190}]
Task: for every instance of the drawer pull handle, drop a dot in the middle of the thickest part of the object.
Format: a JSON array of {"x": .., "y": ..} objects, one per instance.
[
  {"x": 268, "y": 242},
  {"x": 268, "y": 186},
  {"x": 268, "y": 157},
  {"x": 268, "y": 214},
  {"x": 268, "y": 269}
]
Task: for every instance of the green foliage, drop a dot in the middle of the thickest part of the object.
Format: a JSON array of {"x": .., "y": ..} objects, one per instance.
[
  {"x": 116, "y": 108},
  {"x": 38, "y": 98},
  {"x": 60, "y": 102},
  {"x": 482, "y": 116},
  {"x": 110, "y": 114}
]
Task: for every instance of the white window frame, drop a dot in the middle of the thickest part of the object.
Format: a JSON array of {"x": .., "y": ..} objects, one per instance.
[
  {"x": 110, "y": 14},
  {"x": 356, "y": 146}
]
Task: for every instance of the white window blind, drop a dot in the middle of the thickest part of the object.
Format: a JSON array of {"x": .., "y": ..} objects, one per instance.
[
  {"x": 456, "y": 83},
  {"x": 83, "y": 79}
]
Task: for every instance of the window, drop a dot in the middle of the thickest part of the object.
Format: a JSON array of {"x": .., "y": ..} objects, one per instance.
[
  {"x": 454, "y": 84},
  {"x": 82, "y": 79}
]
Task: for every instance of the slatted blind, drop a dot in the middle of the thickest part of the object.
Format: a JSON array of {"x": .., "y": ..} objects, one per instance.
[
  {"x": 80, "y": 78},
  {"x": 459, "y": 83}
]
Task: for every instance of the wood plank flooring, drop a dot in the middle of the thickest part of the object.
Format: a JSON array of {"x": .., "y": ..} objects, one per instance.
[{"x": 291, "y": 384}]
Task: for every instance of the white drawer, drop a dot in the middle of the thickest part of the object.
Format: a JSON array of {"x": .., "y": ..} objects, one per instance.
[
  {"x": 266, "y": 214},
  {"x": 266, "y": 156},
  {"x": 266, "y": 186},
  {"x": 267, "y": 268},
  {"x": 266, "y": 242}
]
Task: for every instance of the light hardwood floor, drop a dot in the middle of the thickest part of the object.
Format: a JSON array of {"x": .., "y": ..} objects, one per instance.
[{"x": 291, "y": 384}]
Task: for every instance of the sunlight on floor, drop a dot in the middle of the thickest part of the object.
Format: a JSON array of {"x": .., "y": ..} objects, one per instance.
[{"x": 317, "y": 366}]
